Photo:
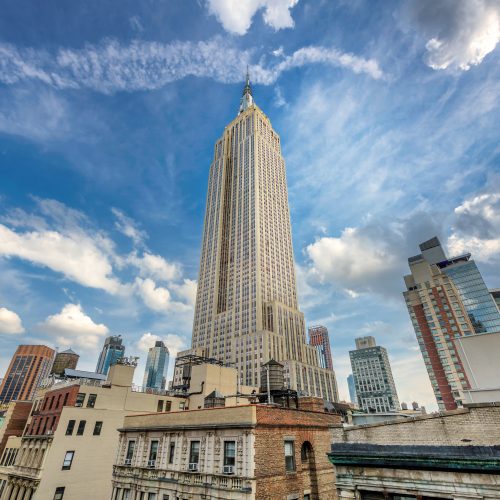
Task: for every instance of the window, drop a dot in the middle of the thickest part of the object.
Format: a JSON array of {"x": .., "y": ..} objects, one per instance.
[
  {"x": 58, "y": 495},
  {"x": 81, "y": 427},
  {"x": 80, "y": 398},
  {"x": 168, "y": 405},
  {"x": 305, "y": 451},
  {"x": 171, "y": 453},
  {"x": 65, "y": 402},
  {"x": 160, "y": 405},
  {"x": 126, "y": 494},
  {"x": 97, "y": 428},
  {"x": 70, "y": 428},
  {"x": 194, "y": 452},
  {"x": 229, "y": 452},
  {"x": 91, "y": 400},
  {"x": 68, "y": 460},
  {"x": 151, "y": 496},
  {"x": 289, "y": 456},
  {"x": 153, "y": 452},
  {"x": 130, "y": 451}
]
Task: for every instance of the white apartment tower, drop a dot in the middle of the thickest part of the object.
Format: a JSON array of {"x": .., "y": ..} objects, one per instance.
[{"x": 246, "y": 306}]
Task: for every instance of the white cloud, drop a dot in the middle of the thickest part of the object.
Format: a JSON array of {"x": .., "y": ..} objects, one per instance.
[
  {"x": 63, "y": 240},
  {"x": 352, "y": 260},
  {"x": 156, "y": 267},
  {"x": 158, "y": 298},
  {"x": 79, "y": 256},
  {"x": 236, "y": 17},
  {"x": 10, "y": 322},
  {"x": 477, "y": 227},
  {"x": 460, "y": 33},
  {"x": 72, "y": 327},
  {"x": 175, "y": 343},
  {"x": 186, "y": 290},
  {"x": 128, "y": 227},
  {"x": 112, "y": 67}
]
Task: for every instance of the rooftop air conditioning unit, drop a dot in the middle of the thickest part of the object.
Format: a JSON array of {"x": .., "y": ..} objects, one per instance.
[
  {"x": 127, "y": 461},
  {"x": 151, "y": 463},
  {"x": 193, "y": 467},
  {"x": 228, "y": 469}
]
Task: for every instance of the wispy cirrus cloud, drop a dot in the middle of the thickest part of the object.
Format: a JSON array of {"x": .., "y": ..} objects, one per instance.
[{"x": 111, "y": 67}]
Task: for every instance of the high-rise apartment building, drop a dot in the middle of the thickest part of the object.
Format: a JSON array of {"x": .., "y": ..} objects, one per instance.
[
  {"x": 246, "y": 305},
  {"x": 318, "y": 336},
  {"x": 447, "y": 299},
  {"x": 28, "y": 367},
  {"x": 352, "y": 389},
  {"x": 156, "y": 366},
  {"x": 373, "y": 380},
  {"x": 112, "y": 350}
]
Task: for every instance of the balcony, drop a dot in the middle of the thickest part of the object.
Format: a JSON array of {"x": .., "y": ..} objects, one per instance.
[{"x": 216, "y": 481}]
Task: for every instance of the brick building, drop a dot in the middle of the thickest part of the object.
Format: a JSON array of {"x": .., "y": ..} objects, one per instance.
[
  {"x": 250, "y": 452},
  {"x": 16, "y": 416},
  {"x": 450, "y": 455}
]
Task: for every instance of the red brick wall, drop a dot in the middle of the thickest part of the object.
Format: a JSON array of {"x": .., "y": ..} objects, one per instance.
[
  {"x": 49, "y": 412},
  {"x": 274, "y": 426}
]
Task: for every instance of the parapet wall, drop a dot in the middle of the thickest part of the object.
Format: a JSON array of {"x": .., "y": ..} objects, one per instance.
[{"x": 477, "y": 424}]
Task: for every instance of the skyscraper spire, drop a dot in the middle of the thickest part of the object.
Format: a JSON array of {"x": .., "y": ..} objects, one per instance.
[{"x": 247, "y": 99}]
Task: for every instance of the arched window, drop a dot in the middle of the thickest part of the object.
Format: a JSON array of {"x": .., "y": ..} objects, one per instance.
[{"x": 306, "y": 451}]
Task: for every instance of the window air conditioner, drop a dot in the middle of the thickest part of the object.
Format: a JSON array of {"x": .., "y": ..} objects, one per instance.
[
  {"x": 228, "y": 469},
  {"x": 78, "y": 404},
  {"x": 127, "y": 461},
  {"x": 151, "y": 463},
  {"x": 193, "y": 467}
]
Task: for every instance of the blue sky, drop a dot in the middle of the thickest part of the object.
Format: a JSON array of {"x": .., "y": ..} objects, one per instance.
[{"x": 388, "y": 114}]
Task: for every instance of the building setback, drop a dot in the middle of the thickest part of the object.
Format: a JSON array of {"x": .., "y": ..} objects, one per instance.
[
  {"x": 318, "y": 336},
  {"x": 447, "y": 299},
  {"x": 28, "y": 367},
  {"x": 373, "y": 380},
  {"x": 246, "y": 310}
]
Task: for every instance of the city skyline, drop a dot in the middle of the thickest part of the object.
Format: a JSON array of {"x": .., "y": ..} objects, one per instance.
[{"x": 388, "y": 141}]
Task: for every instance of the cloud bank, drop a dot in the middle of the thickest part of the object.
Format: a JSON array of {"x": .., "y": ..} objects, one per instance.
[{"x": 64, "y": 240}]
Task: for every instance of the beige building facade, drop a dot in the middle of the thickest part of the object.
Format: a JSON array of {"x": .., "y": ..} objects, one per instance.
[
  {"x": 69, "y": 449},
  {"x": 247, "y": 310}
]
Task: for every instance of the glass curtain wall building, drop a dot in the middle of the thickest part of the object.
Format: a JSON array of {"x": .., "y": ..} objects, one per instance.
[
  {"x": 112, "y": 350},
  {"x": 156, "y": 366},
  {"x": 447, "y": 299}
]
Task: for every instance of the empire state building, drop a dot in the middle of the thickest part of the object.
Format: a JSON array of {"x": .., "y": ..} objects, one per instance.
[{"x": 247, "y": 311}]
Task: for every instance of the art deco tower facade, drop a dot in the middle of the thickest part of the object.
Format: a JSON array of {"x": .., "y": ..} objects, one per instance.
[{"x": 246, "y": 306}]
